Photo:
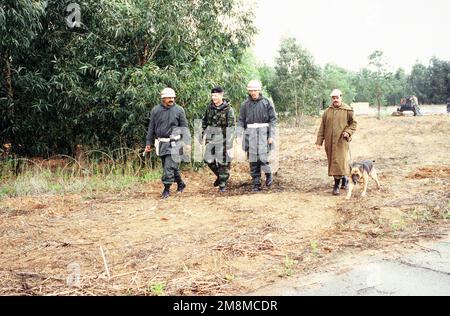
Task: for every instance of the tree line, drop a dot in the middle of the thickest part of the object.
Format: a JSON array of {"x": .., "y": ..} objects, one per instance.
[
  {"x": 95, "y": 83},
  {"x": 298, "y": 85},
  {"x": 91, "y": 74}
]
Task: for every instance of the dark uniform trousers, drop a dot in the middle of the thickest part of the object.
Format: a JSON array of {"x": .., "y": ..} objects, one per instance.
[
  {"x": 171, "y": 170},
  {"x": 258, "y": 153}
]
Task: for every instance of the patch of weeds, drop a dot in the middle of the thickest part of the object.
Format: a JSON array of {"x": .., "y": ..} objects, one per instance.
[
  {"x": 288, "y": 266},
  {"x": 5, "y": 191},
  {"x": 423, "y": 215},
  {"x": 151, "y": 176},
  {"x": 229, "y": 278},
  {"x": 157, "y": 289},
  {"x": 61, "y": 181},
  {"x": 447, "y": 213},
  {"x": 398, "y": 225},
  {"x": 314, "y": 247}
]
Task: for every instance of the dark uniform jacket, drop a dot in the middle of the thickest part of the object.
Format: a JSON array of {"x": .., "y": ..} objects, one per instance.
[
  {"x": 166, "y": 122},
  {"x": 257, "y": 111}
]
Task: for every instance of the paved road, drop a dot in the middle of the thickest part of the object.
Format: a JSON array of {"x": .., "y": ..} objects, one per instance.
[{"x": 425, "y": 272}]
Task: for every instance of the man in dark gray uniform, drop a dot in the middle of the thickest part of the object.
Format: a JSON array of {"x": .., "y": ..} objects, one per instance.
[
  {"x": 257, "y": 121},
  {"x": 168, "y": 131}
]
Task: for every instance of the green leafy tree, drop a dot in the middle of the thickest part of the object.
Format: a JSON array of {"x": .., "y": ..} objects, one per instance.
[
  {"x": 439, "y": 72},
  {"x": 298, "y": 80},
  {"x": 362, "y": 83},
  {"x": 381, "y": 77},
  {"x": 430, "y": 84},
  {"x": 419, "y": 83},
  {"x": 335, "y": 77},
  {"x": 399, "y": 87},
  {"x": 267, "y": 75},
  {"x": 95, "y": 84},
  {"x": 19, "y": 26}
]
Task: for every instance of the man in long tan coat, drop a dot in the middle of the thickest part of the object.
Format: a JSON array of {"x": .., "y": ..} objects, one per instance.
[{"x": 336, "y": 130}]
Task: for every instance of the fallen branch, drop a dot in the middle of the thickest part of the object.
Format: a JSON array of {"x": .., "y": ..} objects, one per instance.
[
  {"x": 105, "y": 263},
  {"x": 36, "y": 275},
  {"x": 420, "y": 267},
  {"x": 430, "y": 249}
]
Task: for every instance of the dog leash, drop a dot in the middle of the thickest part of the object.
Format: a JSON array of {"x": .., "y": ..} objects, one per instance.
[
  {"x": 350, "y": 153},
  {"x": 349, "y": 149}
]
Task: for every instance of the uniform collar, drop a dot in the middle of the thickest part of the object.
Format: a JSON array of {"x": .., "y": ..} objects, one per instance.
[
  {"x": 224, "y": 105},
  {"x": 343, "y": 106},
  {"x": 259, "y": 98}
]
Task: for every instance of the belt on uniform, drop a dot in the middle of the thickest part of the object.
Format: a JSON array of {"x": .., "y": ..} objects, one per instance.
[
  {"x": 258, "y": 125},
  {"x": 164, "y": 140}
]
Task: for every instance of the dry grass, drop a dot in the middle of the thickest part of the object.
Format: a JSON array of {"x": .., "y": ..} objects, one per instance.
[{"x": 204, "y": 243}]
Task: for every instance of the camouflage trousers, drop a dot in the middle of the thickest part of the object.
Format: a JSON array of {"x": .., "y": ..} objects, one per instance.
[{"x": 221, "y": 170}]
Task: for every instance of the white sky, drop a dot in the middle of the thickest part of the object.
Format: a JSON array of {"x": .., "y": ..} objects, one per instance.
[{"x": 346, "y": 32}]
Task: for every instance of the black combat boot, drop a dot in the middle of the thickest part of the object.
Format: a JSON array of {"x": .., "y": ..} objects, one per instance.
[
  {"x": 344, "y": 184},
  {"x": 217, "y": 182},
  {"x": 336, "y": 186},
  {"x": 269, "y": 180},
  {"x": 256, "y": 186},
  {"x": 181, "y": 186},
  {"x": 166, "y": 193}
]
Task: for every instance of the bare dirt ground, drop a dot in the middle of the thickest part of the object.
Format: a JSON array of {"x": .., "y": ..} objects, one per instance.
[{"x": 206, "y": 243}]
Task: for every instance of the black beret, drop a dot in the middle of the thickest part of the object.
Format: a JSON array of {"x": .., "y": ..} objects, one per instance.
[{"x": 217, "y": 90}]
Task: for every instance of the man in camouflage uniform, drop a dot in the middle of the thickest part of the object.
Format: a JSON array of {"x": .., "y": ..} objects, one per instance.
[
  {"x": 257, "y": 121},
  {"x": 218, "y": 126},
  {"x": 336, "y": 130},
  {"x": 168, "y": 131}
]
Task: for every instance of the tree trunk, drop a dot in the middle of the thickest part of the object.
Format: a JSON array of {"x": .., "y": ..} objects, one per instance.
[
  {"x": 379, "y": 103},
  {"x": 379, "y": 109},
  {"x": 8, "y": 79},
  {"x": 296, "y": 105}
]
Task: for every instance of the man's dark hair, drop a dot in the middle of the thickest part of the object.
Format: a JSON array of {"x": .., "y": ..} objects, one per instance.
[{"x": 217, "y": 90}]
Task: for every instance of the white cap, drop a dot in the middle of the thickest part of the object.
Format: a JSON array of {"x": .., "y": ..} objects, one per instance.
[
  {"x": 336, "y": 93},
  {"x": 254, "y": 85},
  {"x": 168, "y": 93}
]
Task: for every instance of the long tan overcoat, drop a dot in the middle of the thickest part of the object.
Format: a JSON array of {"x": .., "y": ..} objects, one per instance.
[{"x": 335, "y": 121}]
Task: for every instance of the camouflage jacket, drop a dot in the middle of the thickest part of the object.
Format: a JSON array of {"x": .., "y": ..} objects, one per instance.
[{"x": 219, "y": 120}]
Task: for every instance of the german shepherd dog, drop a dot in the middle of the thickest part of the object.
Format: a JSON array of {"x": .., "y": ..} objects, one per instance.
[{"x": 360, "y": 172}]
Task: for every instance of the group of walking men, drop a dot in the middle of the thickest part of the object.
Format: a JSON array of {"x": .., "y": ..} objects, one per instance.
[{"x": 168, "y": 135}]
